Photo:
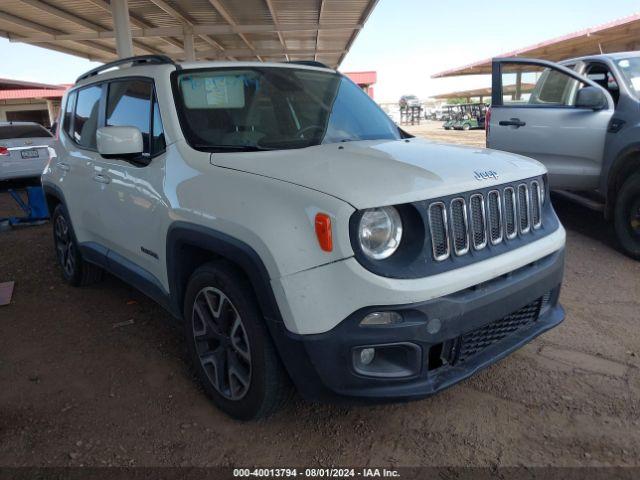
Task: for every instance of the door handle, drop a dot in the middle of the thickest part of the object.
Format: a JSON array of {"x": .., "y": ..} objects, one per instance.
[
  {"x": 101, "y": 178},
  {"x": 513, "y": 122},
  {"x": 63, "y": 166}
]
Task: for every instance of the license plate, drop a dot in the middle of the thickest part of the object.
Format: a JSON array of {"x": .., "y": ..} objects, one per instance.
[{"x": 29, "y": 154}]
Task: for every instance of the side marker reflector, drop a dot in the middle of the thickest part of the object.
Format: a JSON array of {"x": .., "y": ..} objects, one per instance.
[{"x": 323, "y": 231}]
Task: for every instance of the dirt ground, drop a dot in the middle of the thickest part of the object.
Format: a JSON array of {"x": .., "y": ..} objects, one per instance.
[{"x": 80, "y": 387}]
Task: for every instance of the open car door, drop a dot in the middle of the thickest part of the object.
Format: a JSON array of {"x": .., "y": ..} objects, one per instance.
[{"x": 548, "y": 112}]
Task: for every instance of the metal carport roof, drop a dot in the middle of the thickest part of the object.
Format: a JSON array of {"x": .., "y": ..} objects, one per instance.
[
  {"x": 619, "y": 35},
  {"x": 265, "y": 30},
  {"x": 484, "y": 92}
]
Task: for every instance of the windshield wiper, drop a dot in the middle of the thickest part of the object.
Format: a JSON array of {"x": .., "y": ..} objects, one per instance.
[{"x": 234, "y": 148}]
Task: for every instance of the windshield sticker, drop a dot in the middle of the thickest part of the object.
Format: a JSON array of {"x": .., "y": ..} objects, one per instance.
[{"x": 219, "y": 91}]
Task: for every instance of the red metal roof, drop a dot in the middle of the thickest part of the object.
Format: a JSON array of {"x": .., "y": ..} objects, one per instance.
[
  {"x": 11, "y": 84},
  {"x": 28, "y": 93},
  {"x": 618, "y": 35},
  {"x": 363, "y": 78}
]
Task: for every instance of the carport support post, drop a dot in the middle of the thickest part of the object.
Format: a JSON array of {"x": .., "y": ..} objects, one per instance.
[
  {"x": 51, "y": 110},
  {"x": 122, "y": 28},
  {"x": 189, "y": 50}
]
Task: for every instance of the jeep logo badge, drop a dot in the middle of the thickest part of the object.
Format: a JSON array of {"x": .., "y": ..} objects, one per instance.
[{"x": 485, "y": 175}]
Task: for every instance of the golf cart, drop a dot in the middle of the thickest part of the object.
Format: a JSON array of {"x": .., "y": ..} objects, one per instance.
[
  {"x": 454, "y": 115},
  {"x": 473, "y": 116}
]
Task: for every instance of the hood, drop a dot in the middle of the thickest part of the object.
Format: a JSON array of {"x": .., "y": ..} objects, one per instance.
[{"x": 385, "y": 172}]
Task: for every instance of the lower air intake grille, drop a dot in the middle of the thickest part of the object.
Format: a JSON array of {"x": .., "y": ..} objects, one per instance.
[{"x": 477, "y": 340}]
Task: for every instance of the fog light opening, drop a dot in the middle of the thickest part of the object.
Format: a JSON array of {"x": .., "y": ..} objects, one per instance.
[
  {"x": 395, "y": 360},
  {"x": 367, "y": 355}
]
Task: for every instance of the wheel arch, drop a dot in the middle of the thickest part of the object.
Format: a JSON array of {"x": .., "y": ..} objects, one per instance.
[
  {"x": 53, "y": 196},
  {"x": 190, "y": 245}
]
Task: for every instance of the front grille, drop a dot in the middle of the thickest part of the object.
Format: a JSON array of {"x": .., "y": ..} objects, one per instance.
[
  {"x": 439, "y": 230},
  {"x": 536, "y": 205},
  {"x": 480, "y": 219},
  {"x": 459, "y": 226},
  {"x": 478, "y": 222},
  {"x": 494, "y": 212},
  {"x": 511, "y": 228},
  {"x": 477, "y": 340},
  {"x": 523, "y": 208}
]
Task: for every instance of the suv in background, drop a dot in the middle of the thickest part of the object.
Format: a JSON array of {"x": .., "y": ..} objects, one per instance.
[
  {"x": 409, "y": 101},
  {"x": 297, "y": 233},
  {"x": 24, "y": 149},
  {"x": 582, "y": 120}
]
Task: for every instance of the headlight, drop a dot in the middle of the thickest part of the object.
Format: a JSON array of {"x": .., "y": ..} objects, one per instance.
[{"x": 379, "y": 232}]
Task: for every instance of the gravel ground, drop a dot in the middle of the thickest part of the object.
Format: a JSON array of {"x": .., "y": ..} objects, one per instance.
[{"x": 96, "y": 376}]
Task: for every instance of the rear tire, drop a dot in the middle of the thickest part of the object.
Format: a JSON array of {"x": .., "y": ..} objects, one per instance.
[
  {"x": 466, "y": 126},
  {"x": 229, "y": 345},
  {"x": 75, "y": 270},
  {"x": 627, "y": 216}
]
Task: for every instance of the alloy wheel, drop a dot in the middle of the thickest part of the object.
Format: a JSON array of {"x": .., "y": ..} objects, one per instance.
[
  {"x": 221, "y": 343},
  {"x": 634, "y": 217},
  {"x": 64, "y": 246}
]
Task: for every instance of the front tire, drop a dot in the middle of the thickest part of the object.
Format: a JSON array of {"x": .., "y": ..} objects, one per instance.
[
  {"x": 627, "y": 216},
  {"x": 75, "y": 270},
  {"x": 229, "y": 345}
]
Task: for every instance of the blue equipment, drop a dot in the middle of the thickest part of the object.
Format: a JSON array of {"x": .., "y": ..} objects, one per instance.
[{"x": 35, "y": 209}]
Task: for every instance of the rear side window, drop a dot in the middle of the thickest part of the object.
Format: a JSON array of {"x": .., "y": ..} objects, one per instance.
[
  {"x": 533, "y": 84},
  {"x": 23, "y": 131},
  {"x": 555, "y": 88},
  {"x": 86, "y": 116}
]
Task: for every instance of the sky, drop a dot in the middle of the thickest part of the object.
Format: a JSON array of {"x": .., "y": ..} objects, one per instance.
[{"x": 405, "y": 41}]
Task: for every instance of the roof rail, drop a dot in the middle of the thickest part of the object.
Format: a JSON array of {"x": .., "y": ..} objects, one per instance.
[
  {"x": 137, "y": 60},
  {"x": 308, "y": 63}
]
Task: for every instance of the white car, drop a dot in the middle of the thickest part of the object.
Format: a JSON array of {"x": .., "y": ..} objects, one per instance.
[
  {"x": 297, "y": 233},
  {"x": 24, "y": 149}
]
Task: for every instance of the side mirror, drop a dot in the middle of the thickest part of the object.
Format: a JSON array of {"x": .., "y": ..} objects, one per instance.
[
  {"x": 119, "y": 141},
  {"x": 592, "y": 98}
]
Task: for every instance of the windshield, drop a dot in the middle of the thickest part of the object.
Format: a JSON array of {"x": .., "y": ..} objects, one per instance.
[
  {"x": 269, "y": 108},
  {"x": 630, "y": 68}
]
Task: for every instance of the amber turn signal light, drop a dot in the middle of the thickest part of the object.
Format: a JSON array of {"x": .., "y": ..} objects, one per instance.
[{"x": 323, "y": 231}]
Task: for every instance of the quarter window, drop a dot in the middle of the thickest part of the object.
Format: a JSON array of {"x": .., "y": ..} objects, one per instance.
[
  {"x": 157, "y": 138},
  {"x": 85, "y": 121},
  {"x": 68, "y": 113}
]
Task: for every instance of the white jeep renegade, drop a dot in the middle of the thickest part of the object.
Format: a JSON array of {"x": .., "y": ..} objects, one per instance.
[{"x": 297, "y": 233}]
